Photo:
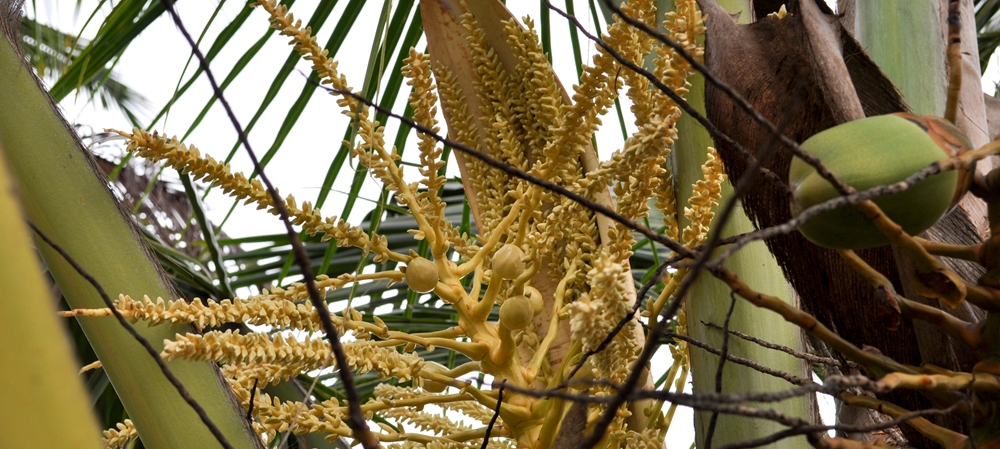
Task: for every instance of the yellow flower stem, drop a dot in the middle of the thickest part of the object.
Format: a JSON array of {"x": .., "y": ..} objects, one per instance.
[
  {"x": 404, "y": 190},
  {"x": 495, "y": 236},
  {"x": 543, "y": 349},
  {"x": 340, "y": 281},
  {"x": 523, "y": 279},
  {"x": 91, "y": 366},
  {"x": 552, "y": 409},
  {"x": 675, "y": 280},
  {"x": 477, "y": 281},
  {"x": 473, "y": 350},
  {"x": 575, "y": 349},
  {"x": 398, "y": 257},
  {"x": 86, "y": 312},
  {"x": 678, "y": 387},
  {"x": 534, "y": 192},
  {"x": 502, "y": 353},
  {"x": 654, "y": 413},
  {"x": 483, "y": 308},
  {"x": 511, "y": 413},
  {"x": 451, "y": 332},
  {"x": 452, "y": 292},
  {"x": 464, "y": 369},
  {"x": 547, "y": 434},
  {"x": 376, "y": 406}
]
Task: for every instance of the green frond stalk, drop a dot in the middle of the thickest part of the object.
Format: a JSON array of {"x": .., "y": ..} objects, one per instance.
[
  {"x": 36, "y": 362},
  {"x": 70, "y": 203},
  {"x": 919, "y": 74},
  {"x": 709, "y": 300}
]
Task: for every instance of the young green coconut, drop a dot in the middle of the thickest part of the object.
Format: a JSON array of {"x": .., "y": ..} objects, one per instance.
[{"x": 877, "y": 151}]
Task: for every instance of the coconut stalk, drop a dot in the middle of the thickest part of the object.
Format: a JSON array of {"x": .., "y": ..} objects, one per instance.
[
  {"x": 38, "y": 371},
  {"x": 922, "y": 78},
  {"x": 65, "y": 198},
  {"x": 708, "y": 301}
]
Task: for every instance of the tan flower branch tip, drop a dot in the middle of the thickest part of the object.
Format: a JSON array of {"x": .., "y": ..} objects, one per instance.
[
  {"x": 541, "y": 354},
  {"x": 309, "y": 48},
  {"x": 328, "y": 417},
  {"x": 705, "y": 197},
  {"x": 276, "y": 308},
  {"x": 424, "y": 421},
  {"x": 423, "y": 100},
  {"x": 188, "y": 158},
  {"x": 90, "y": 366},
  {"x": 230, "y": 348},
  {"x": 120, "y": 435}
]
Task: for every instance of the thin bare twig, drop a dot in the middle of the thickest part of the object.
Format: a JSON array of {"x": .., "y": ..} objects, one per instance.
[
  {"x": 832, "y": 386},
  {"x": 202, "y": 414},
  {"x": 724, "y": 354},
  {"x": 795, "y": 431},
  {"x": 496, "y": 414},
  {"x": 792, "y": 352},
  {"x": 791, "y": 378},
  {"x": 357, "y": 420},
  {"x": 253, "y": 391}
]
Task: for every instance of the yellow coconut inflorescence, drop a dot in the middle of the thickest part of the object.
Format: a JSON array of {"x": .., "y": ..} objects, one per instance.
[
  {"x": 871, "y": 152},
  {"x": 421, "y": 275}
]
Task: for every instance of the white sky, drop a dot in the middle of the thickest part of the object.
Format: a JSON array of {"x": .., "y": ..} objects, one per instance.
[{"x": 154, "y": 63}]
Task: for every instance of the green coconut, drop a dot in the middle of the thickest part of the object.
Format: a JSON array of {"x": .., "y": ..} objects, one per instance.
[{"x": 876, "y": 151}]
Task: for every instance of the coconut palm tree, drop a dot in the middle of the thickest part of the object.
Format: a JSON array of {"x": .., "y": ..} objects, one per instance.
[{"x": 402, "y": 22}]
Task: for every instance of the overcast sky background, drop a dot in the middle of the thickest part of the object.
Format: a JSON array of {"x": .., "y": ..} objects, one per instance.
[{"x": 155, "y": 62}]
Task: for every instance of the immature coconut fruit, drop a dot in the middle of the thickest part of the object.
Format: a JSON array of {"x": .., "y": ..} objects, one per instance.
[
  {"x": 516, "y": 312},
  {"x": 535, "y": 296},
  {"x": 421, "y": 275},
  {"x": 507, "y": 262},
  {"x": 871, "y": 152}
]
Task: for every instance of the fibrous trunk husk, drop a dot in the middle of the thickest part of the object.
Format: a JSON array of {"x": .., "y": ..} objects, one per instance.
[{"x": 792, "y": 71}]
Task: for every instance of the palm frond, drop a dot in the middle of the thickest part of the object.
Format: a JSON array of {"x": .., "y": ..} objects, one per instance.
[
  {"x": 51, "y": 52},
  {"x": 988, "y": 28}
]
